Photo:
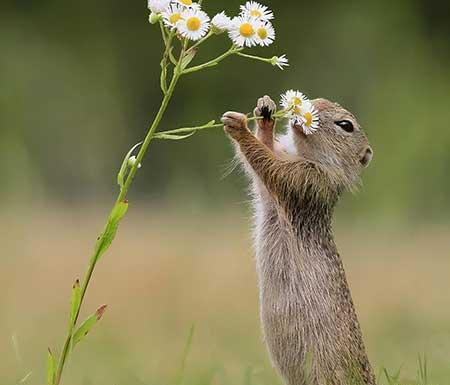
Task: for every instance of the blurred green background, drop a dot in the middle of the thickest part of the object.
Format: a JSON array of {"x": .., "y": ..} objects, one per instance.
[{"x": 79, "y": 85}]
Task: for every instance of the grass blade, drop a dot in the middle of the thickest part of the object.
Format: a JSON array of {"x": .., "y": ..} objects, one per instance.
[
  {"x": 51, "y": 368},
  {"x": 187, "y": 349}
]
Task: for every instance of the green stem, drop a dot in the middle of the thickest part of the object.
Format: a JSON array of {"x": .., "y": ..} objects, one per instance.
[
  {"x": 150, "y": 134},
  {"x": 121, "y": 197},
  {"x": 233, "y": 50},
  {"x": 187, "y": 130},
  {"x": 164, "y": 61},
  {"x": 201, "y": 41},
  {"x": 212, "y": 124},
  {"x": 265, "y": 60},
  {"x": 163, "y": 32},
  {"x": 168, "y": 38},
  {"x": 67, "y": 343}
]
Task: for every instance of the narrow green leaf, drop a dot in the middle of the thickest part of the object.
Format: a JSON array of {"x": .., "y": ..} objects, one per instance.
[
  {"x": 124, "y": 166},
  {"x": 188, "y": 58},
  {"x": 51, "y": 368},
  {"x": 173, "y": 136},
  {"x": 163, "y": 78},
  {"x": 187, "y": 349},
  {"x": 108, "y": 235},
  {"x": 248, "y": 375},
  {"x": 75, "y": 301},
  {"x": 87, "y": 325},
  {"x": 25, "y": 378}
]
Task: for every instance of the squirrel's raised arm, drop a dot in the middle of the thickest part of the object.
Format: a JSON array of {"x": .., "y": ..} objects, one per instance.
[{"x": 284, "y": 179}]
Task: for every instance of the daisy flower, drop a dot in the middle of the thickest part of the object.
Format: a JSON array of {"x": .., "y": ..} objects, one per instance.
[
  {"x": 256, "y": 10},
  {"x": 221, "y": 22},
  {"x": 243, "y": 31},
  {"x": 280, "y": 61},
  {"x": 194, "y": 24},
  {"x": 309, "y": 119},
  {"x": 292, "y": 101},
  {"x": 158, "y": 6},
  {"x": 172, "y": 15},
  {"x": 187, "y": 3},
  {"x": 265, "y": 33}
]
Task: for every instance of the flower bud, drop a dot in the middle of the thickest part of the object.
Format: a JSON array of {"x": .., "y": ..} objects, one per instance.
[
  {"x": 132, "y": 161},
  {"x": 154, "y": 18}
]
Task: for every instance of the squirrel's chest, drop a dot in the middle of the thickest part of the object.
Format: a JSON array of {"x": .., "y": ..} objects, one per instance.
[{"x": 292, "y": 274}]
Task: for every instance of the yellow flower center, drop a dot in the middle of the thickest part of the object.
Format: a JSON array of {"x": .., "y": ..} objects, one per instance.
[
  {"x": 193, "y": 23},
  {"x": 296, "y": 101},
  {"x": 186, "y": 2},
  {"x": 262, "y": 33},
  {"x": 174, "y": 18},
  {"x": 309, "y": 118},
  {"x": 255, "y": 13},
  {"x": 246, "y": 30}
]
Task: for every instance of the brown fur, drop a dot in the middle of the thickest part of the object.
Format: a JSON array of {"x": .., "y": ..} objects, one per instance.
[{"x": 309, "y": 321}]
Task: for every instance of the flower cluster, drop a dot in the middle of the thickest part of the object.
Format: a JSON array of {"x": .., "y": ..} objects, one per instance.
[
  {"x": 300, "y": 111},
  {"x": 250, "y": 28}
]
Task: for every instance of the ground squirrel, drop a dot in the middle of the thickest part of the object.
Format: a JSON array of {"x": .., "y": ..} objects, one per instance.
[{"x": 309, "y": 321}]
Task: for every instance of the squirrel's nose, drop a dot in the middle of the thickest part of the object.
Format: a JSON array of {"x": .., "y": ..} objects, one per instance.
[{"x": 366, "y": 156}]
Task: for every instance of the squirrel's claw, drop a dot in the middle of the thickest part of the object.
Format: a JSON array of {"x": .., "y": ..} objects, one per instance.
[
  {"x": 265, "y": 107},
  {"x": 234, "y": 123}
]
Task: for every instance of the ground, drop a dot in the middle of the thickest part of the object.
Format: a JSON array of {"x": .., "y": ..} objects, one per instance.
[{"x": 167, "y": 272}]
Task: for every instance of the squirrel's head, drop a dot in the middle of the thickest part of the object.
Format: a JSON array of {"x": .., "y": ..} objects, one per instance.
[{"x": 339, "y": 145}]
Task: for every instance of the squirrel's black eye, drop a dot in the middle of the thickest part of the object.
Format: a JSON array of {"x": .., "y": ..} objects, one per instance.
[{"x": 346, "y": 125}]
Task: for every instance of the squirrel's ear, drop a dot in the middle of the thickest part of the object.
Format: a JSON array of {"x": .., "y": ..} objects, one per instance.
[{"x": 366, "y": 156}]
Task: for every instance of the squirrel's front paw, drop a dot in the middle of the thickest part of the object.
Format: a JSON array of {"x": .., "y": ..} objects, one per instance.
[
  {"x": 235, "y": 124},
  {"x": 265, "y": 108}
]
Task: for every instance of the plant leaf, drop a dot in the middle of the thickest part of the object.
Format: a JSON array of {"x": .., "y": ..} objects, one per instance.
[
  {"x": 25, "y": 378},
  {"x": 188, "y": 58},
  {"x": 124, "y": 166},
  {"x": 75, "y": 301},
  {"x": 108, "y": 235},
  {"x": 173, "y": 136},
  {"x": 87, "y": 325},
  {"x": 51, "y": 368},
  {"x": 187, "y": 349}
]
